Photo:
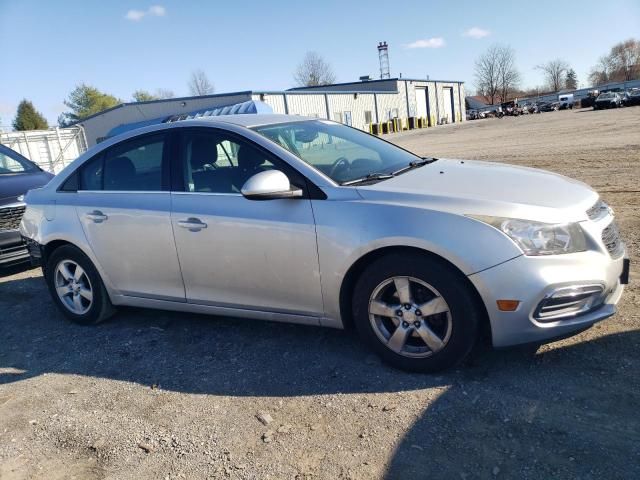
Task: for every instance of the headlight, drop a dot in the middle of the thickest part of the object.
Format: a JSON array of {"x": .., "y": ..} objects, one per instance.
[{"x": 536, "y": 238}]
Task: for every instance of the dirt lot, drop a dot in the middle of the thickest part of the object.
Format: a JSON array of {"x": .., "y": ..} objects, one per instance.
[{"x": 167, "y": 395}]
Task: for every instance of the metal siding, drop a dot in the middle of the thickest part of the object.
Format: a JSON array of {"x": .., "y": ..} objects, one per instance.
[
  {"x": 357, "y": 107},
  {"x": 307, "y": 105},
  {"x": 275, "y": 101}
]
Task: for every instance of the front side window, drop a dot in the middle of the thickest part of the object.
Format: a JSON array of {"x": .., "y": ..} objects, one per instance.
[
  {"x": 134, "y": 165},
  {"x": 340, "y": 152},
  {"x": 14, "y": 164},
  {"x": 214, "y": 162}
]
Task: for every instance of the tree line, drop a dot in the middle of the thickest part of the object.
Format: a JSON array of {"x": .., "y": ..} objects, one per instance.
[{"x": 497, "y": 78}]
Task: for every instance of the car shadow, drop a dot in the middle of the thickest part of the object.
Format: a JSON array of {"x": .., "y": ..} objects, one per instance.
[
  {"x": 568, "y": 412},
  {"x": 186, "y": 352}
]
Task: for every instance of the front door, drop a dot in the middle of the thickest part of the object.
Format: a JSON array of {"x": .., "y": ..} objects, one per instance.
[
  {"x": 124, "y": 206},
  {"x": 235, "y": 252}
]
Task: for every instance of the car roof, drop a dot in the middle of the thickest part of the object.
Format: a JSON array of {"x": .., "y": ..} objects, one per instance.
[{"x": 250, "y": 120}]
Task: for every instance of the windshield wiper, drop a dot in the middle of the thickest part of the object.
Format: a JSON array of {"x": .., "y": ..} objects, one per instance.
[
  {"x": 371, "y": 177},
  {"x": 415, "y": 164}
]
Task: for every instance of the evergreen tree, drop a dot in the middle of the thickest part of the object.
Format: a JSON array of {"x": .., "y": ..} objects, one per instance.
[
  {"x": 571, "y": 80},
  {"x": 85, "y": 101},
  {"x": 28, "y": 118}
]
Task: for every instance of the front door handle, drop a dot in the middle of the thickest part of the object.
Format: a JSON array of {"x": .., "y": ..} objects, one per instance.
[
  {"x": 192, "y": 224},
  {"x": 97, "y": 216}
]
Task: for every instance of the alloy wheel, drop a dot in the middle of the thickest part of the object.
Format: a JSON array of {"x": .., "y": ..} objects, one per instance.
[
  {"x": 73, "y": 287},
  {"x": 410, "y": 317}
]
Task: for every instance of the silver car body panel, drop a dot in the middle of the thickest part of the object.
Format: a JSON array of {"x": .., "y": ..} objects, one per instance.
[{"x": 287, "y": 259}]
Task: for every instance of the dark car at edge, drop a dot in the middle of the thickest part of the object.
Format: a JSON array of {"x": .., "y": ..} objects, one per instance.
[{"x": 17, "y": 176}]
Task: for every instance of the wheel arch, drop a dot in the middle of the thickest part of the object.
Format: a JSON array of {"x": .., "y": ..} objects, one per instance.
[{"x": 355, "y": 270}]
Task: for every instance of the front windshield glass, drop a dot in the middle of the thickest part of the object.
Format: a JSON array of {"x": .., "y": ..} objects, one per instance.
[
  {"x": 342, "y": 153},
  {"x": 606, "y": 95},
  {"x": 13, "y": 164}
]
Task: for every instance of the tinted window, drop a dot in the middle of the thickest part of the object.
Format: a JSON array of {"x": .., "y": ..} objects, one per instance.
[
  {"x": 135, "y": 165},
  {"x": 217, "y": 163},
  {"x": 91, "y": 174}
]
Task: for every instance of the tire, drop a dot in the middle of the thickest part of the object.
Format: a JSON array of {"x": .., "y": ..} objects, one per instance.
[
  {"x": 74, "y": 302},
  {"x": 455, "y": 326}
]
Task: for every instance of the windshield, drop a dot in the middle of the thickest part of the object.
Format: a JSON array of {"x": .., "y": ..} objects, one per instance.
[
  {"x": 342, "y": 153},
  {"x": 11, "y": 162},
  {"x": 606, "y": 95}
]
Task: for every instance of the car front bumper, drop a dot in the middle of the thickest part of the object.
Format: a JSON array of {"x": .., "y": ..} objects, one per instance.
[{"x": 531, "y": 280}]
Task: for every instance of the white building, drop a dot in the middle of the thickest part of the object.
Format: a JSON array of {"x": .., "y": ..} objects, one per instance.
[{"x": 359, "y": 104}]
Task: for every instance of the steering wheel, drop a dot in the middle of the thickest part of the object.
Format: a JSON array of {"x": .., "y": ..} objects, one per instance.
[{"x": 339, "y": 163}]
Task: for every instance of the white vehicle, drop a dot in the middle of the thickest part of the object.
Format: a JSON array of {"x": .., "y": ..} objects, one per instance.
[{"x": 566, "y": 101}]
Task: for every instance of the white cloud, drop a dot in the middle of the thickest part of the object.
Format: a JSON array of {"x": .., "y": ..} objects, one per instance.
[
  {"x": 477, "y": 33},
  {"x": 153, "y": 10},
  {"x": 157, "y": 10},
  {"x": 435, "y": 42}
]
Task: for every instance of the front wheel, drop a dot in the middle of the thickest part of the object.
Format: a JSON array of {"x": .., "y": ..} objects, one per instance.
[
  {"x": 416, "y": 312},
  {"x": 76, "y": 286}
]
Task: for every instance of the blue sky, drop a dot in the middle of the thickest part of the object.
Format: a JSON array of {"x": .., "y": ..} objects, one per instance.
[{"x": 123, "y": 45}]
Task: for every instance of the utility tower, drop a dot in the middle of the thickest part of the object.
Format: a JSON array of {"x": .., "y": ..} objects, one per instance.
[{"x": 383, "y": 56}]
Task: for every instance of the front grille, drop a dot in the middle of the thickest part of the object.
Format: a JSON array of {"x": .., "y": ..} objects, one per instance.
[
  {"x": 611, "y": 240},
  {"x": 10, "y": 217},
  {"x": 599, "y": 210}
]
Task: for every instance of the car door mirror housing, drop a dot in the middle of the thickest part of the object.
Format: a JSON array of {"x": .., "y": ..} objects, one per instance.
[{"x": 269, "y": 185}]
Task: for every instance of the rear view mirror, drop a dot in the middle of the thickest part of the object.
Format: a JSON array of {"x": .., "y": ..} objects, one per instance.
[{"x": 269, "y": 185}]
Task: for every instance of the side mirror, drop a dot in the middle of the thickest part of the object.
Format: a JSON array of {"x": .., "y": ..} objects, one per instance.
[{"x": 269, "y": 185}]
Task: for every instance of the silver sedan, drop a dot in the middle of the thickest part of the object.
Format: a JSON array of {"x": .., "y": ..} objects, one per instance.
[{"x": 303, "y": 220}]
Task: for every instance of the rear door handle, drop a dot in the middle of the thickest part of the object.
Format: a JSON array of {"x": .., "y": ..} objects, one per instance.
[
  {"x": 192, "y": 224},
  {"x": 97, "y": 216}
]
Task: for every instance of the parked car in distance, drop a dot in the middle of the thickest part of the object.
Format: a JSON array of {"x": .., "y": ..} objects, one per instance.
[
  {"x": 565, "y": 101},
  {"x": 17, "y": 175},
  {"x": 608, "y": 100},
  {"x": 548, "y": 106},
  {"x": 633, "y": 97},
  {"x": 309, "y": 221}
]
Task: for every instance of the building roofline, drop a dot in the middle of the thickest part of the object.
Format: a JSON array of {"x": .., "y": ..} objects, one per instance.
[
  {"x": 377, "y": 80},
  {"x": 322, "y": 92},
  {"x": 164, "y": 100}
]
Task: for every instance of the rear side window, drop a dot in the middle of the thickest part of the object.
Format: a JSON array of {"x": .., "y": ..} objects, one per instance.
[{"x": 135, "y": 165}]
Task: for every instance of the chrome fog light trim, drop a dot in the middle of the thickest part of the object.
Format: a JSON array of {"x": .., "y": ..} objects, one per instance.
[{"x": 569, "y": 301}]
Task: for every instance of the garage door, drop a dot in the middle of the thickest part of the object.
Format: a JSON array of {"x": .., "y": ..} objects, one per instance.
[
  {"x": 447, "y": 102},
  {"x": 421, "y": 102}
]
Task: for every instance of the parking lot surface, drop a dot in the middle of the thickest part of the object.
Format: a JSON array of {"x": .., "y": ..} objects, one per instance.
[{"x": 154, "y": 394}]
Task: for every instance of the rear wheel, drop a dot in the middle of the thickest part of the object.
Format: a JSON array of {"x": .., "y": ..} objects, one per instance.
[
  {"x": 416, "y": 312},
  {"x": 76, "y": 286}
]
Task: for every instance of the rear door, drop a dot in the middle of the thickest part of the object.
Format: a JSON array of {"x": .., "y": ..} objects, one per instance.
[
  {"x": 240, "y": 253},
  {"x": 124, "y": 205}
]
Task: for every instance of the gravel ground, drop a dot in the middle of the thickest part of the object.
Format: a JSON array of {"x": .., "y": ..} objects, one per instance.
[{"x": 168, "y": 395}]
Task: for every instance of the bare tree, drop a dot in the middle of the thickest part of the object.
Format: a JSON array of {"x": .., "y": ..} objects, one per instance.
[
  {"x": 602, "y": 72},
  {"x": 313, "y": 71},
  {"x": 164, "y": 93},
  {"x": 555, "y": 72},
  {"x": 508, "y": 75},
  {"x": 199, "y": 84},
  {"x": 625, "y": 59},
  {"x": 496, "y": 75}
]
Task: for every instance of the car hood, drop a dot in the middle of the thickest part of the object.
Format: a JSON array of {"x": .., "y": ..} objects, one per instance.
[
  {"x": 14, "y": 185},
  {"x": 485, "y": 188}
]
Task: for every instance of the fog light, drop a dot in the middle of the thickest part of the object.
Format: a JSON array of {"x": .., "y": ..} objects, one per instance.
[
  {"x": 508, "y": 305},
  {"x": 569, "y": 301}
]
